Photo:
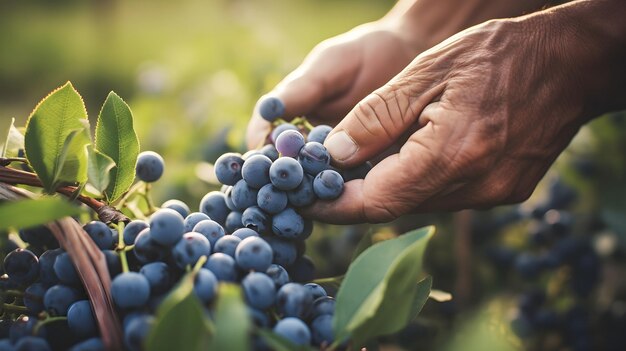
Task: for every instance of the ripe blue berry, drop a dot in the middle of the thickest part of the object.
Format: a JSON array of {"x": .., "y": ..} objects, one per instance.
[
  {"x": 177, "y": 206},
  {"x": 322, "y": 330},
  {"x": 289, "y": 143},
  {"x": 101, "y": 234},
  {"x": 205, "y": 285},
  {"x": 130, "y": 289},
  {"x": 303, "y": 195},
  {"x": 253, "y": 253},
  {"x": 158, "y": 275},
  {"x": 150, "y": 166},
  {"x": 271, "y": 107},
  {"x": 271, "y": 199},
  {"x": 256, "y": 219},
  {"x": 166, "y": 227},
  {"x": 58, "y": 299},
  {"x": 256, "y": 171},
  {"x": 288, "y": 224},
  {"x": 81, "y": 320},
  {"x": 228, "y": 168},
  {"x": 190, "y": 248},
  {"x": 314, "y": 158},
  {"x": 328, "y": 185},
  {"x": 294, "y": 300},
  {"x": 243, "y": 233},
  {"x": 137, "y": 331},
  {"x": 147, "y": 250},
  {"x": 285, "y": 251},
  {"x": 65, "y": 270},
  {"x": 193, "y": 219},
  {"x": 278, "y": 274},
  {"x": 223, "y": 266},
  {"x": 286, "y": 173},
  {"x": 259, "y": 290},
  {"x": 319, "y": 133},
  {"x": 210, "y": 229},
  {"x": 279, "y": 129},
  {"x": 227, "y": 245},
  {"x": 294, "y": 330},
  {"x": 233, "y": 222},
  {"x": 243, "y": 195},
  {"x": 22, "y": 266},
  {"x": 33, "y": 297},
  {"x": 132, "y": 229},
  {"x": 213, "y": 204}
]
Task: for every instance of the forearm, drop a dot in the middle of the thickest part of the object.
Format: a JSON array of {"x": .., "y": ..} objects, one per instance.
[
  {"x": 428, "y": 22},
  {"x": 589, "y": 38}
]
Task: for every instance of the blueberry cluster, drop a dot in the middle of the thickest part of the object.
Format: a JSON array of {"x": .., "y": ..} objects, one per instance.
[
  {"x": 555, "y": 252},
  {"x": 249, "y": 233}
]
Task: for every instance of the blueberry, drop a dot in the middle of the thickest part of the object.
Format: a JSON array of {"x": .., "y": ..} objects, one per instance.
[
  {"x": 527, "y": 265},
  {"x": 303, "y": 270},
  {"x": 101, "y": 234},
  {"x": 278, "y": 274},
  {"x": 286, "y": 173},
  {"x": 39, "y": 236},
  {"x": 271, "y": 107},
  {"x": 149, "y": 166},
  {"x": 114, "y": 265},
  {"x": 190, "y": 248},
  {"x": 81, "y": 319},
  {"x": 233, "y": 221},
  {"x": 243, "y": 195},
  {"x": 279, "y": 129},
  {"x": 256, "y": 171},
  {"x": 259, "y": 317},
  {"x": 210, "y": 229},
  {"x": 132, "y": 229},
  {"x": 256, "y": 219},
  {"x": 227, "y": 245},
  {"x": 271, "y": 199},
  {"x": 259, "y": 290},
  {"x": 243, "y": 233},
  {"x": 65, "y": 270},
  {"x": 58, "y": 299},
  {"x": 213, "y": 205},
  {"x": 289, "y": 143},
  {"x": 294, "y": 300},
  {"x": 92, "y": 344},
  {"x": 322, "y": 330},
  {"x": 193, "y": 219},
  {"x": 130, "y": 289},
  {"x": 177, "y": 206},
  {"x": 146, "y": 249},
  {"x": 316, "y": 290},
  {"x": 323, "y": 305},
  {"x": 228, "y": 168},
  {"x": 22, "y": 266},
  {"x": 288, "y": 224},
  {"x": 270, "y": 152},
  {"x": 158, "y": 275},
  {"x": 223, "y": 266},
  {"x": 33, "y": 297},
  {"x": 285, "y": 251},
  {"x": 137, "y": 331},
  {"x": 253, "y": 253},
  {"x": 32, "y": 343},
  {"x": 319, "y": 133},
  {"x": 328, "y": 185},
  {"x": 205, "y": 285},
  {"x": 294, "y": 330},
  {"x": 303, "y": 195},
  {"x": 314, "y": 158},
  {"x": 22, "y": 327},
  {"x": 166, "y": 227}
]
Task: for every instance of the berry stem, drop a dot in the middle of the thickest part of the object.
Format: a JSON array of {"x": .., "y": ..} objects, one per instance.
[
  {"x": 14, "y": 177},
  {"x": 5, "y": 161},
  {"x": 47, "y": 321},
  {"x": 13, "y": 308},
  {"x": 146, "y": 195},
  {"x": 201, "y": 261},
  {"x": 16, "y": 293},
  {"x": 121, "y": 247}
]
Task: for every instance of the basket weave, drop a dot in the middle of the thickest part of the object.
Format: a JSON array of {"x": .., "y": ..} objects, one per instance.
[{"x": 90, "y": 264}]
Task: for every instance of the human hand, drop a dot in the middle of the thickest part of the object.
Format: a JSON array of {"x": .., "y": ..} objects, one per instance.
[
  {"x": 493, "y": 107},
  {"x": 338, "y": 73}
]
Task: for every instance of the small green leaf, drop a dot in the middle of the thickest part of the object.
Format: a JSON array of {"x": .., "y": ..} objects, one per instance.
[
  {"x": 180, "y": 323},
  {"x": 14, "y": 141},
  {"x": 116, "y": 138},
  {"x": 100, "y": 166},
  {"x": 365, "y": 242},
  {"x": 232, "y": 321},
  {"x": 278, "y": 343},
  {"x": 56, "y": 138},
  {"x": 379, "y": 290},
  {"x": 422, "y": 294},
  {"x": 32, "y": 212}
]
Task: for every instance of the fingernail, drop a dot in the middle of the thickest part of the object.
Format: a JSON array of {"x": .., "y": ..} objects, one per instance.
[{"x": 340, "y": 146}]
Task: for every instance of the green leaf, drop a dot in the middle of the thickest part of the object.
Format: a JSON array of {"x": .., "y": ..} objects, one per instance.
[
  {"x": 14, "y": 141},
  {"x": 422, "y": 292},
  {"x": 32, "y": 212},
  {"x": 116, "y": 138},
  {"x": 180, "y": 323},
  {"x": 365, "y": 242},
  {"x": 232, "y": 321},
  {"x": 379, "y": 290},
  {"x": 278, "y": 343},
  {"x": 57, "y": 133},
  {"x": 99, "y": 169}
]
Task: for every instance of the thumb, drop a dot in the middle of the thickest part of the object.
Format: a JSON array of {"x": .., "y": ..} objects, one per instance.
[{"x": 377, "y": 121}]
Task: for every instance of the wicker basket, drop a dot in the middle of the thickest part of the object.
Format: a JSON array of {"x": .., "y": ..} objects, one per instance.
[{"x": 90, "y": 264}]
